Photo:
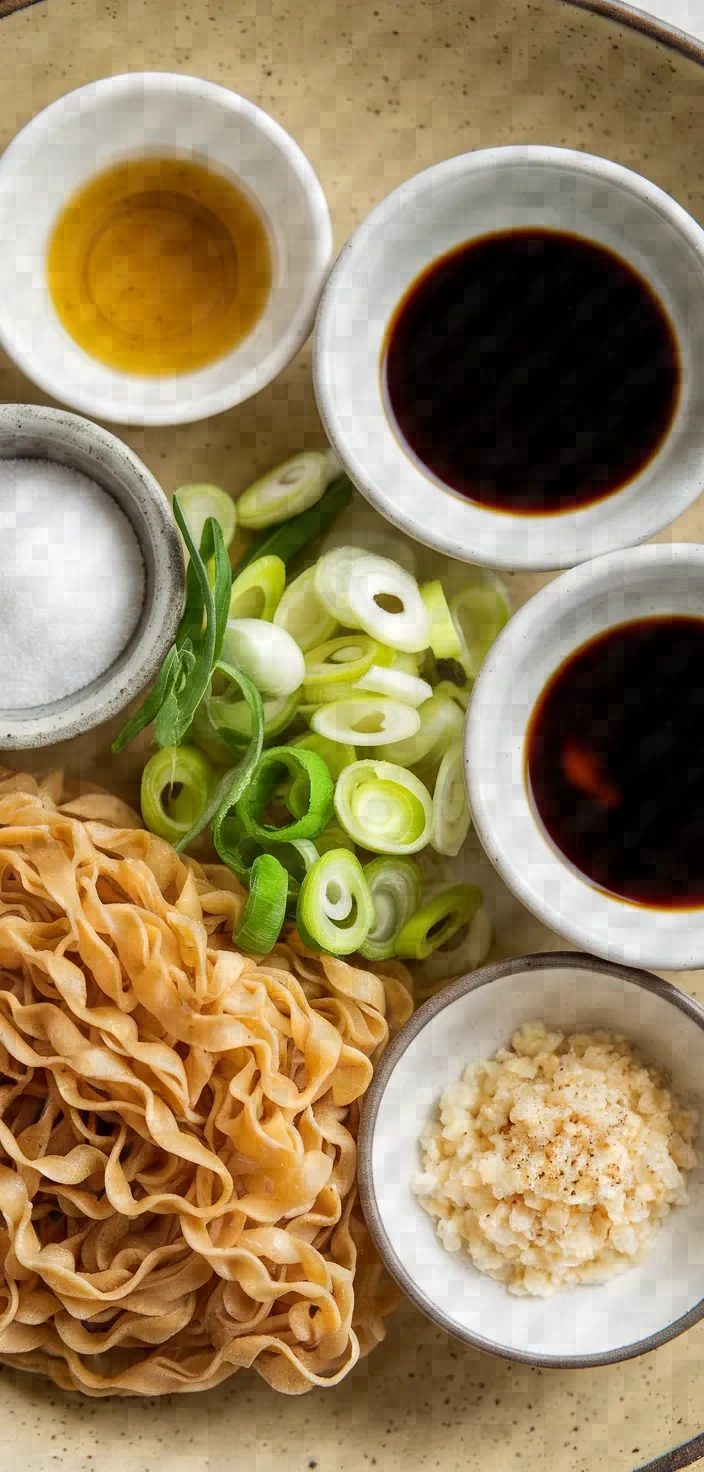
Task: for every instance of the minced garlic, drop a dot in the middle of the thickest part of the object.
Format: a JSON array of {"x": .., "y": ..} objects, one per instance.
[{"x": 555, "y": 1162}]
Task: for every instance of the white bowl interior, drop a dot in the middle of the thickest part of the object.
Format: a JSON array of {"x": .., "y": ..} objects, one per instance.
[
  {"x": 470, "y": 196},
  {"x": 555, "y": 622},
  {"x": 590, "y": 1320},
  {"x": 118, "y": 118}
]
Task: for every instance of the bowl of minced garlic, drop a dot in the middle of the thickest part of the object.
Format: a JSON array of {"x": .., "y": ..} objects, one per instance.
[{"x": 543, "y": 1195}]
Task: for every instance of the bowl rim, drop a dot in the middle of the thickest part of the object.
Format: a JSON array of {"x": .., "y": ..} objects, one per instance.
[
  {"x": 550, "y": 961},
  {"x": 106, "y": 696},
  {"x": 544, "y": 609},
  {"x": 476, "y": 161},
  {"x": 184, "y": 409}
]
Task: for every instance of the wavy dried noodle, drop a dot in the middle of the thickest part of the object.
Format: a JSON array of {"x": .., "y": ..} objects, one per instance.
[{"x": 177, "y": 1122}]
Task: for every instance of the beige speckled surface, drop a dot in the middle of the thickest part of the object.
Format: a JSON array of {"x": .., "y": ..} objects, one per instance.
[{"x": 372, "y": 92}]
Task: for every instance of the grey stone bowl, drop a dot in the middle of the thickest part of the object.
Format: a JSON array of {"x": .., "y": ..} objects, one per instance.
[{"x": 35, "y": 432}]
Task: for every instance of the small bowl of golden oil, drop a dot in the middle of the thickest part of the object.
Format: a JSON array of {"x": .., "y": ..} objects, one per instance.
[{"x": 163, "y": 248}]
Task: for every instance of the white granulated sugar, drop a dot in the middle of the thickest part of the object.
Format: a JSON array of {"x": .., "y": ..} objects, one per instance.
[{"x": 71, "y": 582}]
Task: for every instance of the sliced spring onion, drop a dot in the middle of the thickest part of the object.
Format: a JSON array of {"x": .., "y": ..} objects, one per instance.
[
  {"x": 396, "y": 888},
  {"x": 336, "y": 754},
  {"x": 331, "y": 576},
  {"x": 288, "y": 489},
  {"x": 453, "y": 692},
  {"x": 274, "y": 766},
  {"x": 479, "y": 613},
  {"x": 265, "y": 911},
  {"x": 302, "y": 614},
  {"x": 198, "y": 502},
  {"x": 333, "y": 836},
  {"x": 384, "y": 808},
  {"x": 437, "y": 921},
  {"x": 268, "y": 655},
  {"x": 239, "y": 850},
  {"x": 464, "y": 951},
  {"x": 366, "y": 720},
  {"x": 221, "y": 725},
  {"x": 335, "y": 909},
  {"x": 451, "y": 817},
  {"x": 440, "y": 723},
  {"x": 340, "y": 661},
  {"x": 288, "y": 539},
  {"x": 257, "y": 591},
  {"x": 444, "y": 639},
  {"x": 409, "y": 689},
  {"x": 176, "y": 784},
  {"x": 384, "y": 600}
]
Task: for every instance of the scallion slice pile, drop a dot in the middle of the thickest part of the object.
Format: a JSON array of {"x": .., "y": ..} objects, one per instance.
[{"x": 361, "y": 678}]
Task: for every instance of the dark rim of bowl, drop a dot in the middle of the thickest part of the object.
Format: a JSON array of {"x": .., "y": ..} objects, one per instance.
[{"x": 550, "y": 961}]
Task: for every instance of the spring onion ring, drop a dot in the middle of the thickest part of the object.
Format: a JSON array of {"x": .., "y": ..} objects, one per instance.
[
  {"x": 434, "y": 924},
  {"x": 451, "y": 817},
  {"x": 336, "y": 754},
  {"x": 273, "y": 765},
  {"x": 335, "y": 910},
  {"x": 288, "y": 539},
  {"x": 265, "y": 911},
  {"x": 384, "y": 808},
  {"x": 238, "y": 850},
  {"x": 443, "y": 639},
  {"x": 366, "y": 720},
  {"x": 395, "y": 683},
  {"x": 364, "y": 582},
  {"x": 339, "y": 661},
  {"x": 223, "y": 725},
  {"x": 332, "y": 572},
  {"x": 479, "y": 612},
  {"x": 396, "y": 888},
  {"x": 288, "y": 489},
  {"x": 257, "y": 592},
  {"x": 464, "y": 951},
  {"x": 200, "y": 501},
  {"x": 176, "y": 784},
  {"x": 460, "y": 697},
  {"x": 268, "y": 655},
  {"x": 302, "y": 614},
  {"x": 440, "y": 723},
  {"x": 333, "y": 836}
]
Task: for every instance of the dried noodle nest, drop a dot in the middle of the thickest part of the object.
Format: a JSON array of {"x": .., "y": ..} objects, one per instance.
[{"x": 177, "y": 1123}]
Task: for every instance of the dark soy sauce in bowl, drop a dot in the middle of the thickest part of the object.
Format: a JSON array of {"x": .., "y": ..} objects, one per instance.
[
  {"x": 615, "y": 761},
  {"x": 531, "y": 371}
]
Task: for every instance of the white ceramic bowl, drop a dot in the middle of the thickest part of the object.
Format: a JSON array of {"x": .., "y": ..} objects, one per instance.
[
  {"x": 160, "y": 113},
  {"x": 567, "y": 613},
  {"x": 469, "y": 1020},
  {"x": 34, "y": 432},
  {"x": 467, "y": 197}
]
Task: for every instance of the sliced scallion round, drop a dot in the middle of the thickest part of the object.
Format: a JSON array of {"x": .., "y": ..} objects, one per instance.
[
  {"x": 198, "y": 502},
  {"x": 335, "y": 910},
  {"x": 302, "y": 615},
  {"x": 395, "y": 683},
  {"x": 451, "y": 817},
  {"x": 460, "y": 697},
  {"x": 479, "y": 613},
  {"x": 221, "y": 723},
  {"x": 366, "y": 720},
  {"x": 274, "y": 766},
  {"x": 288, "y": 489},
  {"x": 443, "y": 639},
  {"x": 384, "y": 808},
  {"x": 176, "y": 784},
  {"x": 396, "y": 888},
  {"x": 256, "y": 592},
  {"x": 265, "y": 911},
  {"x": 437, "y": 921},
  {"x": 440, "y": 723},
  {"x": 339, "y": 661},
  {"x": 464, "y": 951},
  {"x": 331, "y": 576},
  {"x": 384, "y": 600},
  {"x": 336, "y": 754},
  {"x": 268, "y": 655},
  {"x": 333, "y": 836}
]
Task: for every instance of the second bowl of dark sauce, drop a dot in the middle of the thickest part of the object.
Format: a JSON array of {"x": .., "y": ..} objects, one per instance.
[
  {"x": 532, "y": 371},
  {"x": 615, "y": 761}
]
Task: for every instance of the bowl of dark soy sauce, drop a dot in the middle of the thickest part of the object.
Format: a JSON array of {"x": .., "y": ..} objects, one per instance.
[
  {"x": 584, "y": 754},
  {"x": 509, "y": 357}
]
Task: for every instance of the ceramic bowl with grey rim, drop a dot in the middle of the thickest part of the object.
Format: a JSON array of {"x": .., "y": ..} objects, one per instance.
[
  {"x": 33, "y": 432},
  {"x": 469, "y": 1020}
]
